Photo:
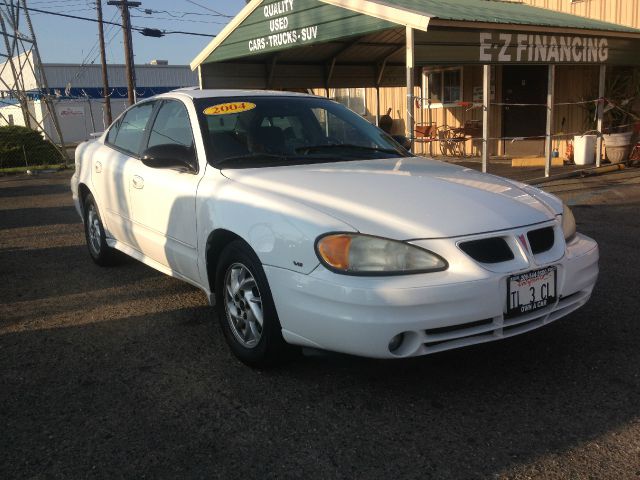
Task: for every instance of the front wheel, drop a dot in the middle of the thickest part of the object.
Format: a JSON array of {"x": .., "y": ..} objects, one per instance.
[
  {"x": 246, "y": 310},
  {"x": 100, "y": 252}
]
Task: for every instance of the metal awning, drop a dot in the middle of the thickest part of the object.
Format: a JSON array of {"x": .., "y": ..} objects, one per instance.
[{"x": 361, "y": 32}]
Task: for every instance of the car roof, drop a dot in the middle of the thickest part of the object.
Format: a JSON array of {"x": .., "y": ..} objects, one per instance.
[{"x": 213, "y": 92}]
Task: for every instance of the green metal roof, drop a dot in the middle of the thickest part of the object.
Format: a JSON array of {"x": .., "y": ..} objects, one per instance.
[
  {"x": 317, "y": 21},
  {"x": 504, "y": 12},
  {"x": 270, "y": 26}
]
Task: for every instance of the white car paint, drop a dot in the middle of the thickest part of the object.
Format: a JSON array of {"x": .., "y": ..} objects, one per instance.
[{"x": 281, "y": 211}]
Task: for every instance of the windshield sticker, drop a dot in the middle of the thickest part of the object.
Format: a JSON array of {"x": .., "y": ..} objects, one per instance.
[{"x": 229, "y": 108}]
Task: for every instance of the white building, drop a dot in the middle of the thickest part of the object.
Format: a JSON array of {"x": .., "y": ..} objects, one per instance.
[{"x": 78, "y": 93}]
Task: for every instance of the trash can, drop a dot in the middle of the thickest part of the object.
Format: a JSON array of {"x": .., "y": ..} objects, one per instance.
[{"x": 584, "y": 149}]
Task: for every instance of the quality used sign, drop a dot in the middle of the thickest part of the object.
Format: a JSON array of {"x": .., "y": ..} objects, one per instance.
[{"x": 280, "y": 31}]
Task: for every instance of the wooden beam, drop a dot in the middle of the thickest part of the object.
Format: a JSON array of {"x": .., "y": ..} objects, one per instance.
[{"x": 272, "y": 71}]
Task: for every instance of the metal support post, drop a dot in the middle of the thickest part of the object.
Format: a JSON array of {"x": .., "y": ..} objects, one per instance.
[
  {"x": 548, "y": 143},
  {"x": 378, "y": 105},
  {"x": 43, "y": 85},
  {"x": 600, "y": 112},
  {"x": 486, "y": 96},
  {"x": 410, "y": 81}
]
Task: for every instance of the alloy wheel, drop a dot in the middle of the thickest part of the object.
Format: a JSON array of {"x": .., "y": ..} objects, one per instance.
[{"x": 243, "y": 305}]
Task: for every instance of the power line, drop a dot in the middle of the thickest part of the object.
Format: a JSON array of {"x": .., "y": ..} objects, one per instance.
[
  {"x": 180, "y": 14},
  {"x": 206, "y": 8},
  {"x": 137, "y": 29},
  {"x": 174, "y": 19}
]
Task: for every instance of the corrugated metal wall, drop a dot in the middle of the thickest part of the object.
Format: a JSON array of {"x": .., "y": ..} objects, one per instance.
[
  {"x": 624, "y": 12},
  {"x": 90, "y": 76},
  {"x": 59, "y": 75}
]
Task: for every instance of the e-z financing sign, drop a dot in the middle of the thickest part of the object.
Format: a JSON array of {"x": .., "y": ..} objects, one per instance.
[
  {"x": 277, "y": 14},
  {"x": 498, "y": 47}
]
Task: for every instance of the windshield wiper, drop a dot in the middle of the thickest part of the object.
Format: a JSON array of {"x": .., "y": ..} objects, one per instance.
[{"x": 347, "y": 145}]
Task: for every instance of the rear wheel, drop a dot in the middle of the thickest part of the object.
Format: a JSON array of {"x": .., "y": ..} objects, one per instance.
[
  {"x": 246, "y": 310},
  {"x": 94, "y": 233}
]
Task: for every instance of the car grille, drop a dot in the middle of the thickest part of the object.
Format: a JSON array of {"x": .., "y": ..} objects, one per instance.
[
  {"x": 541, "y": 240},
  {"x": 488, "y": 250}
]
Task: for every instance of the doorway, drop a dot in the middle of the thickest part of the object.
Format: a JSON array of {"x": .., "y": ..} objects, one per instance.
[{"x": 524, "y": 84}]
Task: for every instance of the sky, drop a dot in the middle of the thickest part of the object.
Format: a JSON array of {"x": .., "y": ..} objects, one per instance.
[{"x": 66, "y": 40}]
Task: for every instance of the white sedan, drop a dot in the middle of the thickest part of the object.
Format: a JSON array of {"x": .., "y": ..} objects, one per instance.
[{"x": 307, "y": 226}]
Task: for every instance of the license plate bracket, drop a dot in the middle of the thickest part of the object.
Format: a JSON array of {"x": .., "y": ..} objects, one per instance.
[{"x": 531, "y": 291}]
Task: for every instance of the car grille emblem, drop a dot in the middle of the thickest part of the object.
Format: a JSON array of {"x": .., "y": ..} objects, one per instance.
[{"x": 523, "y": 242}]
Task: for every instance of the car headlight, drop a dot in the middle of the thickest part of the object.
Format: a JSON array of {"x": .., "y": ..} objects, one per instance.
[
  {"x": 568, "y": 224},
  {"x": 357, "y": 254}
]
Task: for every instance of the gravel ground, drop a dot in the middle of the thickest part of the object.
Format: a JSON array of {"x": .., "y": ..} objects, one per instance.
[{"x": 123, "y": 373}]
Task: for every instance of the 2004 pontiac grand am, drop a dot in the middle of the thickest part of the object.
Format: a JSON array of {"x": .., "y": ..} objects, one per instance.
[{"x": 308, "y": 226}]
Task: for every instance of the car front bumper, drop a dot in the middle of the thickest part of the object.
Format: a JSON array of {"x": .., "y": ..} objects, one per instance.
[{"x": 462, "y": 306}]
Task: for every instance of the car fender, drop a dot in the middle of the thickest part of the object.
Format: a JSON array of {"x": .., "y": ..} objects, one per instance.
[
  {"x": 282, "y": 232},
  {"x": 82, "y": 174}
]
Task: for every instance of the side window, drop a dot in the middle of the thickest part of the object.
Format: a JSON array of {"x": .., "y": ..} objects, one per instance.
[
  {"x": 131, "y": 129},
  {"x": 171, "y": 126},
  {"x": 112, "y": 133}
]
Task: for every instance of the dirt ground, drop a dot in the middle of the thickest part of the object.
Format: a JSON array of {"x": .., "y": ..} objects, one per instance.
[{"x": 123, "y": 373}]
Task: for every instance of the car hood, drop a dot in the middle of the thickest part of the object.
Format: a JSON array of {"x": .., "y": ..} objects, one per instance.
[{"x": 406, "y": 198}]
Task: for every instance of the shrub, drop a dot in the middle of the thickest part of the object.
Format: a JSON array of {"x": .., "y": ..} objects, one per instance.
[{"x": 17, "y": 142}]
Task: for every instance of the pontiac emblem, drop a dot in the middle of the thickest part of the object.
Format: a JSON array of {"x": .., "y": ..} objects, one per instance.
[{"x": 523, "y": 242}]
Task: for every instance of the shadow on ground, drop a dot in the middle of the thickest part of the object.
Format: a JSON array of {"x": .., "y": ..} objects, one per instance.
[
  {"x": 159, "y": 395},
  {"x": 31, "y": 217}
]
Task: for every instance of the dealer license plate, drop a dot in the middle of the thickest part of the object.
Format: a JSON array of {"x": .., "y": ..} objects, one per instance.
[{"x": 531, "y": 291}]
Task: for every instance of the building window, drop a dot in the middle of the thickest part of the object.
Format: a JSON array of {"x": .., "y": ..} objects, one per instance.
[
  {"x": 353, "y": 98},
  {"x": 443, "y": 85}
]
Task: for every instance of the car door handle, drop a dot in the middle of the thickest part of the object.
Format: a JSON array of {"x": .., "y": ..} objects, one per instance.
[
  {"x": 98, "y": 167},
  {"x": 138, "y": 182}
]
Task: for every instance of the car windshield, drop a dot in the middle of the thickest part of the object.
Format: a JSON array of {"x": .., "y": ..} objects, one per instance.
[{"x": 263, "y": 131}]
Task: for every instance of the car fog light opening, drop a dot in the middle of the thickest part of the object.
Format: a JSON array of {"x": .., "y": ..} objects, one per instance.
[
  {"x": 396, "y": 342},
  {"x": 358, "y": 254}
]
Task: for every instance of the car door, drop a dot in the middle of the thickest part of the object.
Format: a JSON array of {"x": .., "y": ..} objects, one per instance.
[
  {"x": 112, "y": 170},
  {"x": 164, "y": 208}
]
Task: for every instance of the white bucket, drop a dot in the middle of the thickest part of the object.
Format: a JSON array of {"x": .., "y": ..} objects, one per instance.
[{"x": 584, "y": 149}]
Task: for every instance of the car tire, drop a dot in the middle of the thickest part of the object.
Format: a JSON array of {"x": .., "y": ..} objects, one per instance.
[
  {"x": 101, "y": 253},
  {"x": 245, "y": 309}
]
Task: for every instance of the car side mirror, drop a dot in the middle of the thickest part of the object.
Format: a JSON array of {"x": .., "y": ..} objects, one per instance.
[
  {"x": 170, "y": 156},
  {"x": 404, "y": 141}
]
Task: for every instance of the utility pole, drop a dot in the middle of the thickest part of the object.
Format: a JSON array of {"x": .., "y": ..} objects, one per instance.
[
  {"x": 128, "y": 45},
  {"x": 103, "y": 60}
]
